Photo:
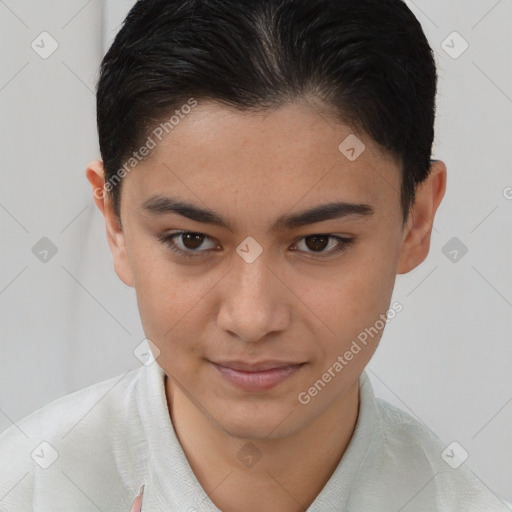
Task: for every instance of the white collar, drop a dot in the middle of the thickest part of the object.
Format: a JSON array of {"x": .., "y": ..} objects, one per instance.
[{"x": 171, "y": 481}]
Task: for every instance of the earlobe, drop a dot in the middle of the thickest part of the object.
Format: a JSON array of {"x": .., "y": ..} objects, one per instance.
[
  {"x": 418, "y": 229},
  {"x": 116, "y": 239}
]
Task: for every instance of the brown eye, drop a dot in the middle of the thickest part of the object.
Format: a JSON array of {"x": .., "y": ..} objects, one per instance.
[
  {"x": 317, "y": 243},
  {"x": 190, "y": 243},
  {"x": 192, "y": 240}
]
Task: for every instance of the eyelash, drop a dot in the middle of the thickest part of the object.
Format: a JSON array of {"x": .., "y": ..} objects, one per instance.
[{"x": 168, "y": 240}]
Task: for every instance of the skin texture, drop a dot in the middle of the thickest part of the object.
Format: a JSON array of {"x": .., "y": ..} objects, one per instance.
[
  {"x": 290, "y": 304},
  {"x": 137, "y": 504}
]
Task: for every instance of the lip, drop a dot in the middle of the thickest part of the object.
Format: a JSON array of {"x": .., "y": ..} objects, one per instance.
[
  {"x": 255, "y": 366},
  {"x": 257, "y": 376}
]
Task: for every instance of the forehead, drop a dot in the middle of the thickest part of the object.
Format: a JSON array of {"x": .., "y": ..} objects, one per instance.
[{"x": 271, "y": 160}]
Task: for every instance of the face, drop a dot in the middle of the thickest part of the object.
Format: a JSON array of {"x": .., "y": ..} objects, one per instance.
[{"x": 248, "y": 313}]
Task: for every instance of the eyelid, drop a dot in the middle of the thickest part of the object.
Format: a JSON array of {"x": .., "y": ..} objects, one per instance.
[{"x": 344, "y": 243}]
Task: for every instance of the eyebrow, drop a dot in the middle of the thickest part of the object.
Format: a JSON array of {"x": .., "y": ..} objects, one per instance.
[{"x": 163, "y": 205}]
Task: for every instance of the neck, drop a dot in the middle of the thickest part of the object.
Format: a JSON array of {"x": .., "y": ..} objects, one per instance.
[{"x": 282, "y": 473}]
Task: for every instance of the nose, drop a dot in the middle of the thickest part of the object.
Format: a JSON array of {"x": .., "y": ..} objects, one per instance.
[{"x": 254, "y": 301}]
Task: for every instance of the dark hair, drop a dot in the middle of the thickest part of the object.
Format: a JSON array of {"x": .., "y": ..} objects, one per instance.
[{"x": 368, "y": 63}]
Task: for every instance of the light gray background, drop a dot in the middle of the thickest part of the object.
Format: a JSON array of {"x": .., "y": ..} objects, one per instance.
[{"x": 70, "y": 322}]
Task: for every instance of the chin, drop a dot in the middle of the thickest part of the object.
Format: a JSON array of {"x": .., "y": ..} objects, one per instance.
[
  {"x": 247, "y": 424},
  {"x": 252, "y": 430}
]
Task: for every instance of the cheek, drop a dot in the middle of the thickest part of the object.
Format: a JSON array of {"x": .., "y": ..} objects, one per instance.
[
  {"x": 355, "y": 296},
  {"x": 158, "y": 287},
  {"x": 171, "y": 300}
]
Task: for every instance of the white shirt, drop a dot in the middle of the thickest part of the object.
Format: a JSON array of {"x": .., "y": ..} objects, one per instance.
[{"x": 102, "y": 442}]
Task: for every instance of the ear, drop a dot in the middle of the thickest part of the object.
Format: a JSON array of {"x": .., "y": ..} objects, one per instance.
[
  {"x": 115, "y": 236},
  {"x": 418, "y": 230}
]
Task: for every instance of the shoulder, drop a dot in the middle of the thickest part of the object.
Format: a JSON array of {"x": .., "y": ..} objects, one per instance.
[
  {"x": 58, "y": 418},
  {"x": 402, "y": 430},
  {"x": 410, "y": 453},
  {"x": 84, "y": 426}
]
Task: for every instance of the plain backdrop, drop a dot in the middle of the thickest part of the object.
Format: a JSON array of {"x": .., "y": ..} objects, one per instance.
[{"x": 69, "y": 321}]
